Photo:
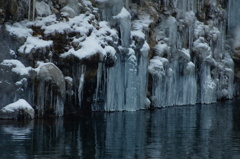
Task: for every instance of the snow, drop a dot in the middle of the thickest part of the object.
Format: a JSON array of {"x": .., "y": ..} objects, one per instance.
[
  {"x": 190, "y": 68},
  {"x": 19, "y": 30},
  {"x": 104, "y": 28},
  {"x": 123, "y": 14},
  {"x": 71, "y": 13},
  {"x": 110, "y": 49},
  {"x": 84, "y": 46},
  {"x": 202, "y": 48},
  {"x": 138, "y": 33},
  {"x": 89, "y": 47},
  {"x": 68, "y": 78},
  {"x": 21, "y": 82},
  {"x": 101, "y": 0},
  {"x": 145, "y": 49},
  {"x": 44, "y": 21},
  {"x": 161, "y": 48},
  {"x": 60, "y": 27},
  {"x": 51, "y": 25},
  {"x": 87, "y": 3},
  {"x": 142, "y": 23},
  {"x": 18, "y": 67},
  {"x": 40, "y": 65},
  {"x": 34, "y": 43},
  {"x": 215, "y": 33},
  {"x": 184, "y": 53},
  {"x": 18, "y": 105},
  {"x": 199, "y": 30},
  {"x": 189, "y": 17},
  {"x": 42, "y": 9},
  {"x": 156, "y": 66}
]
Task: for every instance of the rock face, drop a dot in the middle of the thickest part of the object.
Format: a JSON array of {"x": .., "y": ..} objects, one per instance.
[{"x": 115, "y": 55}]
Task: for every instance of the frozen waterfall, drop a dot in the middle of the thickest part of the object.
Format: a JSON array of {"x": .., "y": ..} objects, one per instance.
[
  {"x": 189, "y": 63},
  {"x": 118, "y": 55}
]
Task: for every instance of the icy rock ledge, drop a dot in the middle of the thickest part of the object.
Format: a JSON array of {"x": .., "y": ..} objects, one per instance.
[{"x": 20, "y": 109}]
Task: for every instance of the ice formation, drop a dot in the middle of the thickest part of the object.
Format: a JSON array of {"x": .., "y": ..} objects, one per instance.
[{"x": 119, "y": 55}]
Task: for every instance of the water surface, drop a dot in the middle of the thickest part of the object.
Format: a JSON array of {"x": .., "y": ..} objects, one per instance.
[{"x": 186, "y": 132}]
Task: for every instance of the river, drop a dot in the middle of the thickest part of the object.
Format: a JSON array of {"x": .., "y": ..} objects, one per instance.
[{"x": 186, "y": 132}]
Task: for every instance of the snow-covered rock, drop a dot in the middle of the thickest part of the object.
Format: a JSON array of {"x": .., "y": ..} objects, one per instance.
[
  {"x": 33, "y": 44},
  {"x": 20, "y": 109},
  {"x": 42, "y": 9},
  {"x": 50, "y": 91},
  {"x": 17, "y": 67}
]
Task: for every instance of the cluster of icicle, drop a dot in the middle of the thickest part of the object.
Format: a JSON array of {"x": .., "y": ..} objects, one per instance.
[{"x": 186, "y": 68}]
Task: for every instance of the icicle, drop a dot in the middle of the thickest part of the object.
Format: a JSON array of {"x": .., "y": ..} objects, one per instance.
[
  {"x": 124, "y": 20},
  {"x": 81, "y": 84},
  {"x": 125, "y": 83},
  {"x": 29, "y": 9},
  {"x": 33, "y": 9},
  {"x": 127, "y": 4},
  {"x": 99, "y": 77}
]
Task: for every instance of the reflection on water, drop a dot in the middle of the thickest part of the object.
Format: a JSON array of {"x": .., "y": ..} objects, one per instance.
[
  {"x": 189, "y": 132},
  {"x": 18, "y": 133}
]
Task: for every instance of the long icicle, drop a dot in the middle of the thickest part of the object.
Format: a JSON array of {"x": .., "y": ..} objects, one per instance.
[
  {"x": 33, "y": 9},
  {"x": 29, "y": 9}
]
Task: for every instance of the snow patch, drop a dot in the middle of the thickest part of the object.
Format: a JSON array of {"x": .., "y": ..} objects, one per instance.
[
  {"x": 19, "y": 30},
  {"x": 145, "y": 49},
  {"x": 89, "y": 47},
  {"x": 138, "y": 33},
  {"x": 42, "y": 9},
  {"x": 21, "y": 104},
  {"x": 34, "y": 43},
  {"x": 18, "y": 67},
  {"x": 123, "y": 14}
]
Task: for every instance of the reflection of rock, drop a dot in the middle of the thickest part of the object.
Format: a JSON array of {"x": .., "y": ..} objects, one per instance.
[
  {"x": 17, "y": 110},
  {"x": 18, "y": 132}
]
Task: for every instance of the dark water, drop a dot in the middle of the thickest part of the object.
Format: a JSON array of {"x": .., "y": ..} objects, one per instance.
[{"x": 189, "y": 132}]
